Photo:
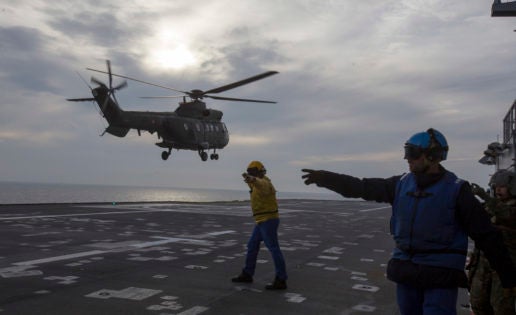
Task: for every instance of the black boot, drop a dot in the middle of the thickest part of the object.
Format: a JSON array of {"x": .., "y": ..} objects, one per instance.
[
  {"x": 277, "y": 284},
  {"x": 243, "y": 277}
]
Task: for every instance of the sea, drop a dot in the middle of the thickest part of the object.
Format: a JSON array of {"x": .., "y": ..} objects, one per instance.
[{"x": 54, "y": 193}]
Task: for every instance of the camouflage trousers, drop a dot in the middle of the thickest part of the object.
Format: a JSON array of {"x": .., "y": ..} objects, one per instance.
[{"x": 486, "y": 293}]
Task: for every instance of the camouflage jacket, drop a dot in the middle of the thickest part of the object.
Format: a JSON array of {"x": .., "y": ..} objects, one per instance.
[{"x": 503, "y": 216}]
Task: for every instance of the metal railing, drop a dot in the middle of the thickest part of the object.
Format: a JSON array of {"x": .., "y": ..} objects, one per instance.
[{"x": 509, "y": 124}]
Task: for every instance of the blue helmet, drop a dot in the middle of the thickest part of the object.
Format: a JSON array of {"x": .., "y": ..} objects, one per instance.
[{"x": 432, "y": 143}]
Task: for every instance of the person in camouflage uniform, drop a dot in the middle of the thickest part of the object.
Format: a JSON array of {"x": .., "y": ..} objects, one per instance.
[{"x": 486, "y": 292}]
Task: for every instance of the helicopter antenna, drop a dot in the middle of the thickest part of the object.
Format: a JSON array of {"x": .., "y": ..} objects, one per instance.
[{"x": 111, "y": 88}]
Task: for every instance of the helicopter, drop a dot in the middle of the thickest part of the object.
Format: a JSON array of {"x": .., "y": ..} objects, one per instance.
[{"x": 192, "y": 126}]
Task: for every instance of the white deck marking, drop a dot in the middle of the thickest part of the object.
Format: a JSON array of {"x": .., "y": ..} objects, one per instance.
[
  {"x": 347, "y": 212},
  {"x": 9, "y": 273},
  {"x": 123, "y": 247},
  {"x": 130, "y": 293},
  {"x": 220, "y": 233},
  {"x": 294, "y": 297},
  {"x": 334, "y": 250},
  {"x": 328, "y": 257},
  {"x": 194, "y": 310},
  {"x": 58, "y": 258},
  {"x": 166, "y": 240},
  {"x": 76, "y": 214},
  {"x": 363, "y": 308},
  {"x": 363, "y": 287},
  {"x": 374, "y": 209}
]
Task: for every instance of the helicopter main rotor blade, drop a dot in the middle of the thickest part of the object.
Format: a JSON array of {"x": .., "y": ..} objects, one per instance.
[
  {"x": 136, "y": 80},
  {"x": 241, "y": 82},
  {"x": 238, "y": 99},
  {"x": 171, "y": 96},
  {"x": 90, "y": 99},
  {"x": 108, "y": 65}
]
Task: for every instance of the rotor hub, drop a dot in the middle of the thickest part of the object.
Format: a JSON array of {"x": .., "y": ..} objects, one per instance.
[{"x": 196, "y": 94}]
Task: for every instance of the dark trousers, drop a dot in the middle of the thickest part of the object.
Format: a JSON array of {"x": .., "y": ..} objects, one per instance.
[
  {"x": 268, "y": 233},
  {"x": 415, "y": 301}
]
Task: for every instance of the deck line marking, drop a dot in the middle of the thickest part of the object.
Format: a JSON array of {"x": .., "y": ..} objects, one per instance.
[
  {"x": 76, "y": 215},
  {"x": 221, "y": 233},
  {"x": 164, "y": 240},
  {"x": 374, "y": 209},
  {"x": 167, "y": 240},
  {"x": 194, "y": 310},
  {"x": 58, "y": 258}
]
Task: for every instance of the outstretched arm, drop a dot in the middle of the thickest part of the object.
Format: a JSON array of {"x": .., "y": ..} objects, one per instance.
[
  {"x": 374, "y": 189},
  {"x": 346, "y": 185}
]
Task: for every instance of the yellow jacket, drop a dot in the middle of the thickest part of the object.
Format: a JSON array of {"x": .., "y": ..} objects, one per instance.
[{"x": 263, "y": 199}]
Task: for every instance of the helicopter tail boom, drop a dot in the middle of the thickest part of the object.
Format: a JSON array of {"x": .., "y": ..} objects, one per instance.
[{"x": 117, "y": 131}]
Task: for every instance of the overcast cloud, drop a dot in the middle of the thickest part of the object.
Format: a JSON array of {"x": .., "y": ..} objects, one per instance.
[{"x": 357, "y": 79}]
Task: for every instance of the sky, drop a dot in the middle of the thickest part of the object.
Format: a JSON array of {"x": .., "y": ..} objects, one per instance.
[{"x": 356, "y": 80}]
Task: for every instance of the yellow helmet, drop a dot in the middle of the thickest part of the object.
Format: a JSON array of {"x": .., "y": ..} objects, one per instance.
[{"x": 256, "y": 164}]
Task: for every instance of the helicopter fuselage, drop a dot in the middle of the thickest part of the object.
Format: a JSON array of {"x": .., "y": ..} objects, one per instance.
[
  {"x": 180, "y": 132},
  {"x": 191, "y": 126}
]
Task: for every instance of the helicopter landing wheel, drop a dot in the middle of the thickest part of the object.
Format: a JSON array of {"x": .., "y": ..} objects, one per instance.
[
  {"x": 203, "y": 155},
  {"x": 165, "y": 155},
  {"x": 214, "y": 156}
]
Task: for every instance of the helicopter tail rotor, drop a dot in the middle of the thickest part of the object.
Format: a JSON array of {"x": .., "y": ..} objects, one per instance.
[
  {"x": 111, "y": 89},
  {"x": 97, "y": 81}
]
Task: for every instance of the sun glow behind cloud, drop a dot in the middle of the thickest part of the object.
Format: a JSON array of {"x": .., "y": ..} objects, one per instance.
[{"x": 167, "y": 51}]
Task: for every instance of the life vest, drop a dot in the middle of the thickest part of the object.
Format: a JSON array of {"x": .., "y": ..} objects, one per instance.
[
  {"x": 263, "y": 200},
  {"x": 423, "y": 223}
]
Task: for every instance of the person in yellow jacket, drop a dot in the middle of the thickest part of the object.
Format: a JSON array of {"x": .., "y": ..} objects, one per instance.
[{"x": 266, "y": 216}]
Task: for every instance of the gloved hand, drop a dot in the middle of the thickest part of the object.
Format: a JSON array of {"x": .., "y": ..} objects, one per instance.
[
  {"x": 479, "y": 191},
  {"x": 313, "y": 176},
  {"x": 248, "y": 178},
  {"x": 476, "y": 189}
]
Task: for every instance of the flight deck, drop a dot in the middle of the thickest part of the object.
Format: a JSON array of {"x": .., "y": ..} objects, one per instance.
[{"x": 179, "y": 258}]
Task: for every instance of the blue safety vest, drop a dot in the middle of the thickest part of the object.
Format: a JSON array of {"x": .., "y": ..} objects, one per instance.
[{"x": 424, "y": 225}]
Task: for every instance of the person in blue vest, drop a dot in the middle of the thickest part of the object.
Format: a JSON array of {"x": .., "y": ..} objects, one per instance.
[{"x": 433, "y": 213}]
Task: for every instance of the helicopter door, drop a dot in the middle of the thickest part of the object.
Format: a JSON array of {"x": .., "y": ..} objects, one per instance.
[
  {"x": 208, "y": 135},
  {"x": 199, "y": 132},
  {"x": 201, "y": 137},
  {"x": 226, "y": 134},
  {"x": 189, "y": 132}
]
